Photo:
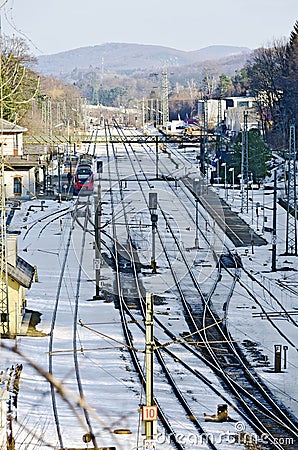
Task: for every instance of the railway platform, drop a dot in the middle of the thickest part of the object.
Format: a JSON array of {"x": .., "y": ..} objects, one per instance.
[{"x": 236, "y": 229}]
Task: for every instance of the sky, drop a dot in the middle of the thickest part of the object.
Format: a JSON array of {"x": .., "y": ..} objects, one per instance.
[{"x": 53, "y": 26}]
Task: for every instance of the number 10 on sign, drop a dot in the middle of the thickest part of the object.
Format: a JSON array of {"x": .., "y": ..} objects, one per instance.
[{"x": 149, "y": 413}]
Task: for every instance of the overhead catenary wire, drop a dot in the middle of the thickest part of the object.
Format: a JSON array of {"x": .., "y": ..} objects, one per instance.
[{"x": 174, "y": 237}]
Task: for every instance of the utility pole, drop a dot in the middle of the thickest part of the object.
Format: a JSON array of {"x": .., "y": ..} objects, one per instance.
[
  {"x": 291, "y": 229},
  {"x": 224, "y": 164},
  {"x": 149, "y": 415},
  {"x": 244, "y": 163},
  {"x": 156, "y": 157},
  {"x": 232, "y": 169},
  {"x": 204, "y": 142},
  {"x": 218, "y": 134},
  {"x": 273, "y": 262},
  {"x": 59, "y": 168},
  {"x": 143, "y": 113},
  {"x": 4, "y": 300},
  {"x": 197, "y": 181},
  {"x": 97, "y": 260},
  {"x": 219, "y": 114}
]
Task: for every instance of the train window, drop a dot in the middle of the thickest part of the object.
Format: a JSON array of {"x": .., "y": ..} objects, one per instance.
[{"x": 83, "y": 176}]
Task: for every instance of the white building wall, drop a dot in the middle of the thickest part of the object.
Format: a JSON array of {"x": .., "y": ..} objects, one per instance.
[
  {"x": 12, "y": 144},
  {"x": 212, "y": 105},
  {"x": 235, "y": 118},
  {"x": 27, "y": 181}
]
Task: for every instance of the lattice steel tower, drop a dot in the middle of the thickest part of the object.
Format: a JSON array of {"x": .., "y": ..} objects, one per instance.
[
  {"x": 164, "y": 96},
  {"x": 4, "y": 306},
  {"x": 291, "y": 229},
  {"x": 204, "y": 141},
  {"x": 4, "y": 310}
]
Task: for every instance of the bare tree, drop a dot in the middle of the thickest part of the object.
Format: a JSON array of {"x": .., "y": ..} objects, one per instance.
[
  {"x": 266, "y": 71},
  {"x": 18, "y": 83}
]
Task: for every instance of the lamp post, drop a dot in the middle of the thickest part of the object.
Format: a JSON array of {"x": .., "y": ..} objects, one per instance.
[
  {"x": 240, "y": 176},
  {"x": 225, "y": 166},
  {"x": 257, "y": 214},
  {"x": 274, "y": 222},
  {"x": 233, "y": 180},
  {"x": 252, "y": 199},
  {"x": 197, "y": 181},
  {"x": 217, "y": 170}
]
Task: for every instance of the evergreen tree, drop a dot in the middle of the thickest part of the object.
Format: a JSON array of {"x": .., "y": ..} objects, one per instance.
[{"x": 259, "y": 155}]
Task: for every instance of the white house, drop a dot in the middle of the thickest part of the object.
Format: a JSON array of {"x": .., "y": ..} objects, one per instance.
[
  {"x": 11, "y": 138},
  {"x": 231, "y": 110},
  {"x": 20, "y": 170},
  {"x": 20, "y": 177},
  {"x": 18, "y": 278}
]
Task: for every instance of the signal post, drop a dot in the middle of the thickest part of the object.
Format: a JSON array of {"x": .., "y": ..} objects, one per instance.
[
  {"x": 149, "y": 411},
  {"x": 98, "y": 295}
]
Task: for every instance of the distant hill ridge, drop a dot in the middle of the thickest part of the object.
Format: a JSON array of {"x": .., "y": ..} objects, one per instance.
[{"x": 124, "y": 57}]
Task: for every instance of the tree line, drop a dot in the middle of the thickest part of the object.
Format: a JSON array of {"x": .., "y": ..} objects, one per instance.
[{"x": 270, "y": 75}]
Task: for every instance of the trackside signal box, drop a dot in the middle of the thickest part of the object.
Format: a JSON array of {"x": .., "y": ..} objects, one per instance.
[{"x": 152, "y": 200}]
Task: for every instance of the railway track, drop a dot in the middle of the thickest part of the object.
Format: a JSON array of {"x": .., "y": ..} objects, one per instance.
[
  {"x": 124, "y": 310},
  {"x": 187, "y": 353},
  {"x": 87, "y": 422},
  {"x": 186, "y": 188},
  {"x": 256, "y": 422},
  {"x": 172, "y": 383}
]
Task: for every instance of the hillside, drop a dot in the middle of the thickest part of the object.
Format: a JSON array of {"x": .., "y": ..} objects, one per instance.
[{"x": 126, "y": 58}]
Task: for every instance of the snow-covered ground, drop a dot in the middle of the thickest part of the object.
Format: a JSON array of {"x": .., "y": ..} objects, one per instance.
[{"x": 111, "y": 386}]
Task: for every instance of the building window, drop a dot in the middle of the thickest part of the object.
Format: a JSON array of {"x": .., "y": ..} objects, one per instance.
[
  {"x": 243, "y": 104},
  {"x": 17, "y": 186}
]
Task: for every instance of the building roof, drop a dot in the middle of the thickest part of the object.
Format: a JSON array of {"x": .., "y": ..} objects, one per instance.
[
  {"x": 23, "y": 273},
  {"x": 21, "y": 162},
  {"x": 9, "y": 127}
]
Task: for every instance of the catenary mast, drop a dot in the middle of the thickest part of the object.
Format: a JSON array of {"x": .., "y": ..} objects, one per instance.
[
  {"x": 4, "y": 310},
  {"x": 291, "y": 230}
]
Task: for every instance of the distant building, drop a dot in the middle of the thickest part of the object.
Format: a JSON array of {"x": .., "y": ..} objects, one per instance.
[
  {"x": 213, "y": 111},
  {"x": 20, "y": 170},
  {"x": 18, "y": 278},
  {"x": 231, "y": 111},
  {"x": 234, "y": 119},
  {"x": 11, "y": 138},
  {"x": 240, "y": 102}
]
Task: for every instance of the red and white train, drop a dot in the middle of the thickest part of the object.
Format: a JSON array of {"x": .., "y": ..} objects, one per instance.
[{"x": 83, "y": 181}]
